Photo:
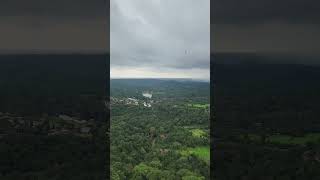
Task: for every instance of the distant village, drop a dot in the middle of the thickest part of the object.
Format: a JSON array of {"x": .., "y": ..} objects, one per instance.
[
  {"x": 50, "y": 125},
  {"x": 134, "y": 101}
]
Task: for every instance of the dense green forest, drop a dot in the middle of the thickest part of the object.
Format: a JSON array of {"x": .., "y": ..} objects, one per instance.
[
  {"x": 159, "y": 129},
  {"x": 266, "y": 118},
  {"x": 53, "y": 118}
]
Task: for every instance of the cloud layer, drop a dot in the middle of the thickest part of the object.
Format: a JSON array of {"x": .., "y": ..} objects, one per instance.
[
  {"x": 265, "y": 11},
  {"x": 289, "y": 27},
  {"x": 160, "y": 36},
  {"x": 59, "y": 25}
]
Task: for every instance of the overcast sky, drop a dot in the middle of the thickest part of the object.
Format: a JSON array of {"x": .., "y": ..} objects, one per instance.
[
  {"x": 160, "y": 38},
  {"x": 53, "y": 26},
  {"x": 266, "y": 26},
  {"x": 150, "y": 37}
]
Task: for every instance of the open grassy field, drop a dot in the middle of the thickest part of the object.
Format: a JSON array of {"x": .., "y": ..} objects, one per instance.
[{"x": 202, "y": 152}]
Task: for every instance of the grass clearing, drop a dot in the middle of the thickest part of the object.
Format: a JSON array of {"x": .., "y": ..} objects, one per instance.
[
  {"x": 199, "y": 105},
  {"x": 198, "y": 133},
  {"x": 286, "y": 139},
  {"x": 291, "y": 140},
  {"x": 202, "y": 152}
]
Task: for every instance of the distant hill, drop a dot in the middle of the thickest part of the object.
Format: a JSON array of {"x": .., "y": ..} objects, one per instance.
[{"x": 172, "y": 87}]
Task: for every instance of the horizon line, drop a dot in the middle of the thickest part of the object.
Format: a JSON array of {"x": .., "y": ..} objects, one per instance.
[
  {"x": 51, "y": 51},
  {"x": 161, "y": 78}
]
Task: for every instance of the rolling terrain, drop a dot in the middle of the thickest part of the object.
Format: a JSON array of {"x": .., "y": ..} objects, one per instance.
[{"x": 159, "y": 129}]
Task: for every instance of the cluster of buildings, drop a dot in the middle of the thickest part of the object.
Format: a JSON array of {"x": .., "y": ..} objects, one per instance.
[
  {"x": 146, "y": 102},
  {"x": 61, "y": 124},
  {"x": 132, "y": 101},
  {"x": 65, "y": 124}
]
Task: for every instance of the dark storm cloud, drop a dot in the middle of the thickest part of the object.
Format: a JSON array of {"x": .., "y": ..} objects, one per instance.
[
  {"x": 289, "y": 27},
  {"x": 303, "y": 39},
  {"x": 53, "y": 25},
  {"x": 160, "y": 34},
  {"x": 264, "y": 11},
  {"x": 53, "y": 8}
]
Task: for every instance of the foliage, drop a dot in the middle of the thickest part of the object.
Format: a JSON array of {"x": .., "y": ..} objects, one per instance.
[
  {"x": 266, "y": 118},
  {"x": 201, "y": 152},
  {"x": 198, "y": 133},
  {"x": 37, "y": 86},
  {"x": 146, "y": 141}
]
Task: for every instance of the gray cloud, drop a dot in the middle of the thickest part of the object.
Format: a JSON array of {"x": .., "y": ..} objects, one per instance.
[
  {"x": 160, "y": 34},
  {"x": 288, "y": 27},
  {"x": 59, "y": 25},
  {"x": 265, "y": 11},
  {"x": 299, "y": 39},
  {"x": 55, "y": 9}
]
